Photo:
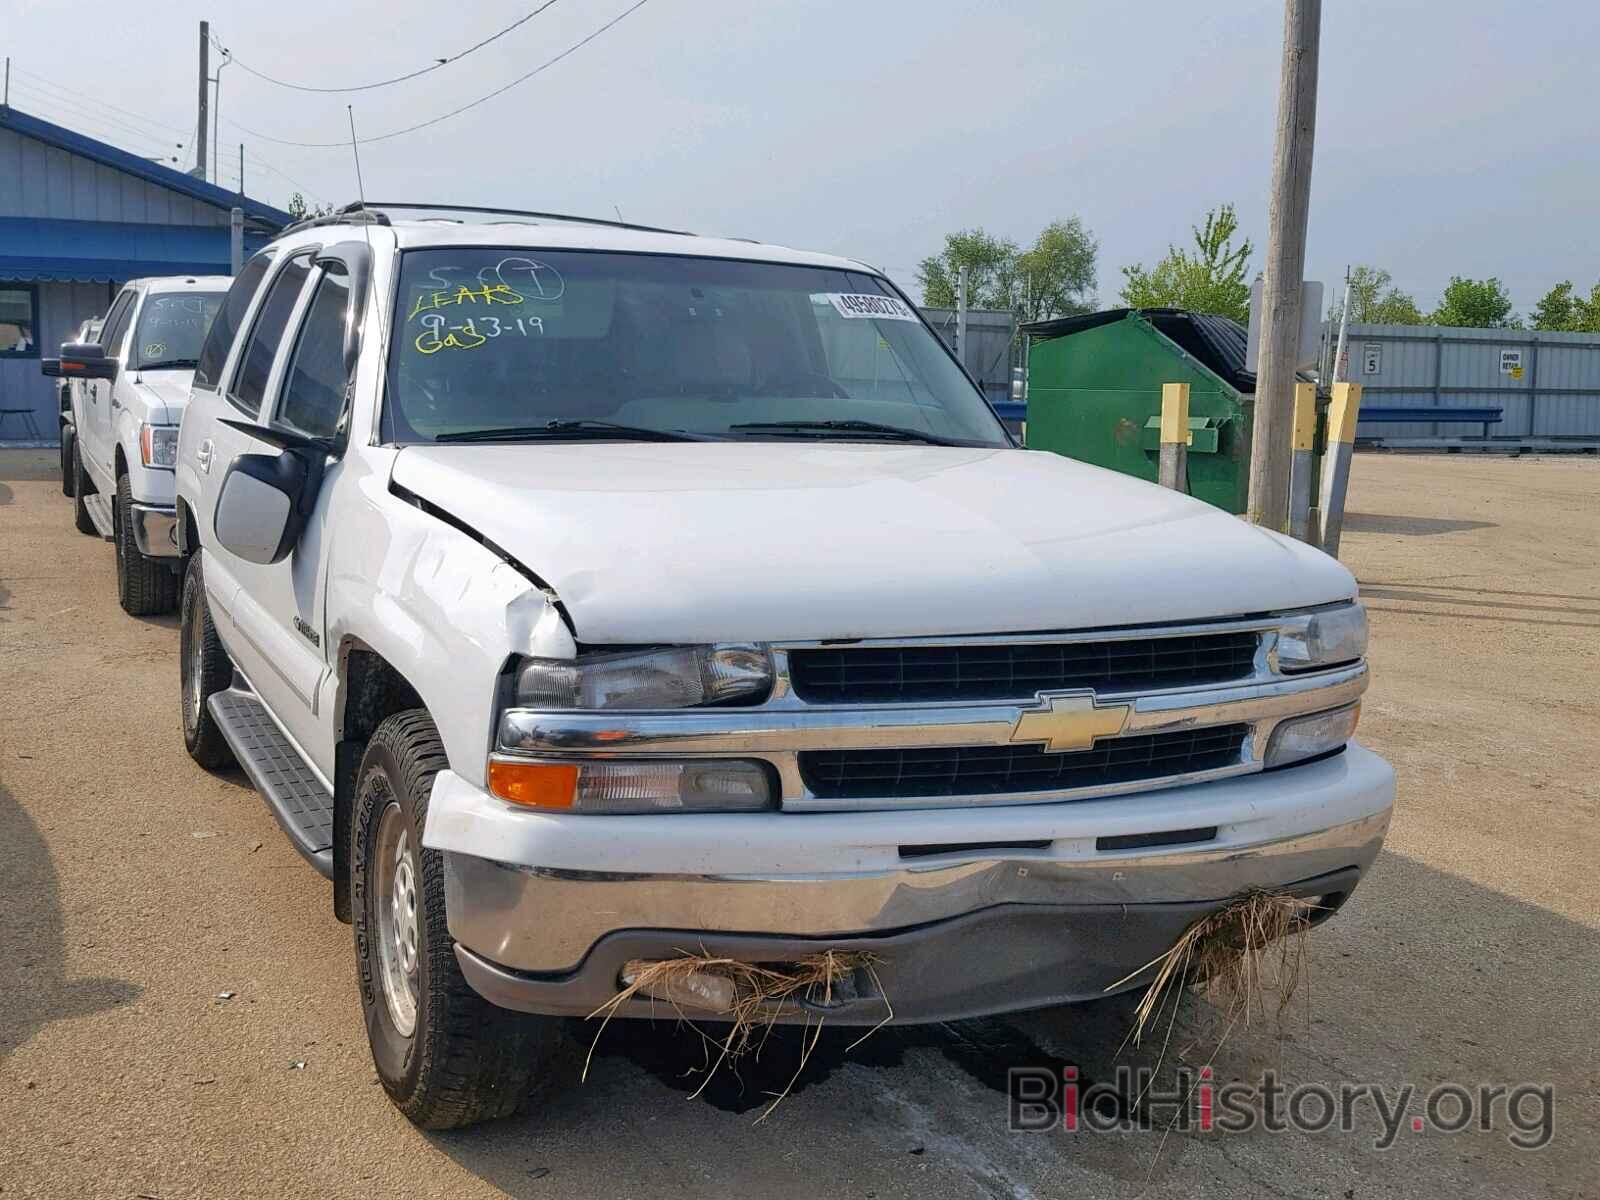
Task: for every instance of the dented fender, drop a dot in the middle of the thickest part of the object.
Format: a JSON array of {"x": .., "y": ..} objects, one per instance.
[{"x": 441, "y": 608}]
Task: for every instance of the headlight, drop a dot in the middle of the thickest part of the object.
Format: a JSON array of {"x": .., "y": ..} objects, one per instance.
[
  {"x": 1307, "y": 737},
  {"x": 612, "y": 786},
  {"x": 158, "y": 445},
  {"x": 673, "y": 677},
  {"x": 1324, "y": 638}
]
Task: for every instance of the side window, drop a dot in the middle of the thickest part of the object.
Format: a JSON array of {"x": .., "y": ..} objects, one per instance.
[
  {"x": 314, "y": 385},
  {"x": 250, "y": 378},
  {"x": 228, "y": 321},
  {"x": 112, "y": 336}
]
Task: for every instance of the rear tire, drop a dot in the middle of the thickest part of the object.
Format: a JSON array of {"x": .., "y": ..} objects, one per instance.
[
  {"x": 145, "y": 586},
  {"x": 446, "y": 1056},
  {"x": 204, "y": 670},
  {"x": 68, "y": 437},
  {"x": 82, "y": 488}
]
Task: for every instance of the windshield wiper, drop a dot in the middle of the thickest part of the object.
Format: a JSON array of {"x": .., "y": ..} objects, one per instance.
[
  {"x": 558, "y": 430},
  {"x": 169, "y": 364},
  {"x": 867, "y": 427}
]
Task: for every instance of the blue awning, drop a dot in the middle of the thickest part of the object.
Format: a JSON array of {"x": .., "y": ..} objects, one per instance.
[{"x": 36, "y": 249}]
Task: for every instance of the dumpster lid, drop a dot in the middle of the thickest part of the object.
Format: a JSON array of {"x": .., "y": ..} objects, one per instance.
[{"x": 1217, "y": 342}]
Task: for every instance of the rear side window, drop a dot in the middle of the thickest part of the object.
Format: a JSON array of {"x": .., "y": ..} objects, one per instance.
[
  {"x": 313, "y": 389},
  {"x": 226, "y": 324},
  {"x": 250, "y": 380}
]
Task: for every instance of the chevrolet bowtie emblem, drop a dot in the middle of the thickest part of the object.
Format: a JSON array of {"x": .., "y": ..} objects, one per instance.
[{"x": 1070, "y": 723}]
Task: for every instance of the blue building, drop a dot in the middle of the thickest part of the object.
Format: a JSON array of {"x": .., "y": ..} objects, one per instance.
[{"x": 78, "y": 218}]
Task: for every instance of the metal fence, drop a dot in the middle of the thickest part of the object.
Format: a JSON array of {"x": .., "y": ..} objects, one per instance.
[
  {"x": 992, "y": 349},
  {"x": 1548, "y": 384}
]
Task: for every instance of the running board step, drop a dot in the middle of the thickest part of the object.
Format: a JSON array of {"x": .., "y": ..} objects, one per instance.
[
  {"x": 293, "y": 792},
  {"x": 101, "y": 514}
]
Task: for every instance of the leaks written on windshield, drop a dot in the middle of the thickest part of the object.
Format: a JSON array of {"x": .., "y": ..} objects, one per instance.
[{"x": 498, "y": 339}]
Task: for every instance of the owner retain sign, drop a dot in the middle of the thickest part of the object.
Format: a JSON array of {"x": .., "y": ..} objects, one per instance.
[{"x": 857, "y": 306}]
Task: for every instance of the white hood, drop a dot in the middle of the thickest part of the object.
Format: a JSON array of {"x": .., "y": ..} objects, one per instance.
[
  {"x": 166, "y": 392},
  {"x": 769, "y": 541}
]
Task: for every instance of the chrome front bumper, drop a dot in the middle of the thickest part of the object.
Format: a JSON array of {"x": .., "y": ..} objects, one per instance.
[
  {"x": 532, "y": 896},
  {"x": 155, "y": 530}
]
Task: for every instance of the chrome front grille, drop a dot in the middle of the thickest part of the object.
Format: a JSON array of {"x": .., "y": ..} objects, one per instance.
[
  {"x": 1017, "y": 670},
  {"x": 940, "y": 771},
  {"x": 958, "y": 721}
]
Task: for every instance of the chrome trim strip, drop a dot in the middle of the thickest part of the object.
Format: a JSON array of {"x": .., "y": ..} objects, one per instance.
[{"x": 758, "y": 730}]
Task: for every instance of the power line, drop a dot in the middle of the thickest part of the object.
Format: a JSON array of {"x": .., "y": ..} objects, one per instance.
[
  {"x": 394, "y": 133},
  {"x": 73, "y": 93},
  {"x": 367, "y": 87},
  {"x": 97, "y": 124},
  {"x": 79, "y": 114}
]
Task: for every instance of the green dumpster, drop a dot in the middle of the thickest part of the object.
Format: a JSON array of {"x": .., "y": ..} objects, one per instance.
[{"x": 1094, "y": 394}]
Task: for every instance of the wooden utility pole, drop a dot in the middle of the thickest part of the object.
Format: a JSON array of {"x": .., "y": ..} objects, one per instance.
[
  {"x": 1286, "y": 259},
  {"x": 205, "y": 97}
]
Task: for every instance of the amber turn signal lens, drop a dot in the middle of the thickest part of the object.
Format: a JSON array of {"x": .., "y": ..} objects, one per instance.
[{"x": 537, "y": 785}]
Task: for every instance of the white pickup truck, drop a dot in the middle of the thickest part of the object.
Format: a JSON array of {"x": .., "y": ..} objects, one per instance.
[
  {"x": 128, "y": 391},
  {"x": 579, "y": 594}
]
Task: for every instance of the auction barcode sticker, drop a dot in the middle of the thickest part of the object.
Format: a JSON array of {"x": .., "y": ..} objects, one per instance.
[{"x": 857, "y": 306}]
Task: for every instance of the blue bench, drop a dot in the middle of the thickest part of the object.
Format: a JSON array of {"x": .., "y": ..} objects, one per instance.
[{"x": 1404, "y": 414}]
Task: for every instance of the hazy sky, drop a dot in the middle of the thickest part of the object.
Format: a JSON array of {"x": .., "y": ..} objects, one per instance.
[{"x": 1456, "y": 136}]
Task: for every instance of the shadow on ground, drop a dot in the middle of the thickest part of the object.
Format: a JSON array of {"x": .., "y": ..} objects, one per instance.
[
  {"x": 34, "y": 989},
  {"x": 1355, "y": 522},
  {"x": 1506, "y": 997}
]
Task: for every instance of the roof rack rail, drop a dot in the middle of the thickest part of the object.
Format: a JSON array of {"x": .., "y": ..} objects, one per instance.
[
  {"x": 354, "y": 213},
  {"x": 377, "y": 213}
]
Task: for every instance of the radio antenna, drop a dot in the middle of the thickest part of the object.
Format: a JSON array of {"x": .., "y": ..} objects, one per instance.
[{"x": 355, "y": 149}]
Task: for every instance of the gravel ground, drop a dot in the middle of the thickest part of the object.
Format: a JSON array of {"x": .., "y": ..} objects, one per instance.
[{"x": 135, "y": 890}]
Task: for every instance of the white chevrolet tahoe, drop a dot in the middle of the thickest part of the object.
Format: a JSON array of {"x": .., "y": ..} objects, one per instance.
[
  {"x": 578, "y": 595},
  {"x": 128, "y": 391}
]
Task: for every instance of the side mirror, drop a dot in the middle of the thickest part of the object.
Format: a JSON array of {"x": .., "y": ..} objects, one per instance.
[
  {"x": 86, "y": 360},
  {"x": 50, "y": 367},
  {"x": 263, "y": 504}
]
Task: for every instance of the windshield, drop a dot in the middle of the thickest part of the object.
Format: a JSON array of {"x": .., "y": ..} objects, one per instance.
[
  {"x": 514, "y": 344},
  {"x": 171, "y": 328}
]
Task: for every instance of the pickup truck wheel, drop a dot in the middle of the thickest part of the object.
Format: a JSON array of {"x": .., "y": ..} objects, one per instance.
[
  {"x": 68, "y": 436},
  {"x": 446, "y": 1056},
  {"x": 205, "y": 669},
  {"x": 81, "y": 488},
  {"x": 145, "y": 586}
]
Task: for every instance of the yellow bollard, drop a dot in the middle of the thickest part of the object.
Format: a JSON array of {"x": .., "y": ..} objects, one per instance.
[
  {"x": 1173, "y": 471},
  {"x": 1343, "y": 413}
]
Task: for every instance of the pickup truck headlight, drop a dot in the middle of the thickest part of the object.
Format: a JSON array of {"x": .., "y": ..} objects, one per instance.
[
  {"x": 1325, "y": 638},
  {"x": 158, "y": 445},
  {"x": 670, "y": 677},
  {"x": 1307, "y": 737},
  {"x": 614, "y": 786}
]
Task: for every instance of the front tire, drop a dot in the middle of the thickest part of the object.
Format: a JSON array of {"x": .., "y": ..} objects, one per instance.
[
  {"x": 446, "y": 1056},
  {"x": 82, "y": 488},
  {"x": 204, "y": 669},
  {"x": 145, "y": 586}
]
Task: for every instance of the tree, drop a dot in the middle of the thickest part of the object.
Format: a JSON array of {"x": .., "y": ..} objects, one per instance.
[
  {"x": 300, "y": 210},
  {"x": 1210, "y": 280},
  {"x": 1375, "y": 299},
  {"x": 1054, "y": 277},
  {"x": 991, "y": 271},
  {"x": 1475, "y": 304},
  {"x": 1556, "y": 310}
]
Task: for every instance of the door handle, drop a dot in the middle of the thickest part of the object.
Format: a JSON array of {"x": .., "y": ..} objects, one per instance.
[
  {"x": 202, "y": 456},
  {"x": 115, "y": 403}
]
